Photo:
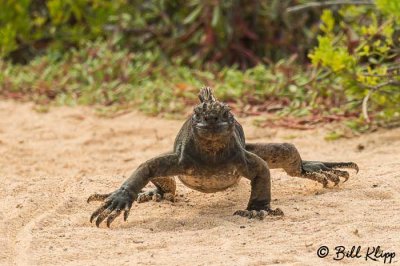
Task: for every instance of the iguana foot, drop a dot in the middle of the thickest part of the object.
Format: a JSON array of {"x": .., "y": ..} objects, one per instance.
[
  {"x": 155, "y": 195},
  {"x": 120, "y": 201},
  {"x": 259, "y": 214},
  {"x": 323, "y": 172}
]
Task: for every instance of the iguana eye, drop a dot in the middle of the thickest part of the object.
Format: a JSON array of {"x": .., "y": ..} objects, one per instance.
[
  {"x": 225, "y": 115},
  {"x": 196, "y": 117}
]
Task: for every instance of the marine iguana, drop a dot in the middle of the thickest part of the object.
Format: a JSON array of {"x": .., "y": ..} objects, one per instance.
[{"x": 210, "y": 154}]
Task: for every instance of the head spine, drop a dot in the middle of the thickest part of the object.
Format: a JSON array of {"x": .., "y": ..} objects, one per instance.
[{"x": 206, "y": 95}]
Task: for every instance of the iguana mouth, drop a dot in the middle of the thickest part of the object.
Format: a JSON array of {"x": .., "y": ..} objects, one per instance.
[
  {"x": 221, "y": 125},
  {"x": 212, "y": 130}
]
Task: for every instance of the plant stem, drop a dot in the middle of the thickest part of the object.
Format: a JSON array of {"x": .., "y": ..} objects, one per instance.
[{"x": 327, "y": 3}]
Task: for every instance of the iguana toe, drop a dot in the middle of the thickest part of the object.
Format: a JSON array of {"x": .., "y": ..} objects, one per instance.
[
  {"x": 317, "y": 176},
  {"x": 343, "y": 174},
  {"x": 331, "y": 176},
  {"x": 97, "y": 197}
]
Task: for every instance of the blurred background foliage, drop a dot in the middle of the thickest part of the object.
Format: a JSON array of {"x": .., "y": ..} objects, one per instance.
[
  {"x": 196, "y": 32},
  {"x": 320, "y": 62}
]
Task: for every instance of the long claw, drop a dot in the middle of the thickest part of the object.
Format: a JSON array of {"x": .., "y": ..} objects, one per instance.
[
  {"x": 97, "y": 197},
  {"x": 126, "y": 213},
  {"x": 103, "y": 216},
  {"x": 356, "y": 167},
  {"x": 112, "y": 217},
  {"x": 98, "y": 211}
]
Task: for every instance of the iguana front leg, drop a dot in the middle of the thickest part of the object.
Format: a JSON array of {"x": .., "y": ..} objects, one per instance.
[
  {"x": 260, "y": 198},
  {"x": 121, "y": 200},
  {"x": 286, "y": 156}
]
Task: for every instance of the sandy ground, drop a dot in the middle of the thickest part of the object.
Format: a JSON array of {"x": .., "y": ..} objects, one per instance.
[{"x": 50, "y": 163}]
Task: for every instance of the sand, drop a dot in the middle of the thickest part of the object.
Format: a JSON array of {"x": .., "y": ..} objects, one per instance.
[{"x": 51, "y": 162}]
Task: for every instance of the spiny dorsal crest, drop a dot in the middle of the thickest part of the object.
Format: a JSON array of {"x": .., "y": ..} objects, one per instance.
[
  {"x": 206, "y": 95},
  {"x": 209, "y": 105}
]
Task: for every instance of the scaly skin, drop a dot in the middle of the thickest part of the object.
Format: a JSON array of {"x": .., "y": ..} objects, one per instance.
[{"x": 210, "y": 154}]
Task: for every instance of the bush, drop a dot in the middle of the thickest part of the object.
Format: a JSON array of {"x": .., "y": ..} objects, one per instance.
[
  {"x": 244, "y": 33},
  {"x": 29, "y": 28},
  {"x": 359, "y": 50},
  {"x": 174, "y": 51}
]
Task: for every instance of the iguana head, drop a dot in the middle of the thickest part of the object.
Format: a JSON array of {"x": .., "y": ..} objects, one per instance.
[{"x": 212, "y": 119}]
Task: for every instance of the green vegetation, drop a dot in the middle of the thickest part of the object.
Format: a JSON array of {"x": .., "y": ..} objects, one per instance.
[
  {"x": 155, "y": 55},
  {"x": 196, "y": 32},
  {"x": 103, "y": 73},
  {"x": 359, "y": 51}
]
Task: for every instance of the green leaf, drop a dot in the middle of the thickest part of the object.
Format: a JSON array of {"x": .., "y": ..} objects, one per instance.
[
  {"x": 216, "y": 15},
  {"x": 194, "y": 15}
]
